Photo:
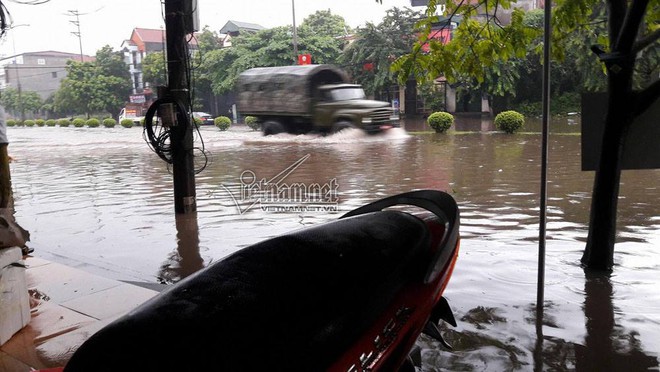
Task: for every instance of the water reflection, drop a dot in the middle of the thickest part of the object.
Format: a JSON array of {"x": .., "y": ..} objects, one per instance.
[
  {"x": 607, "y": 346},
  {"x": 186, "y": 259}
]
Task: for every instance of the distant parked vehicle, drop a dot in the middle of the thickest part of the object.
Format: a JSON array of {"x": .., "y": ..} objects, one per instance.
[{"x": 206, "y": 119}]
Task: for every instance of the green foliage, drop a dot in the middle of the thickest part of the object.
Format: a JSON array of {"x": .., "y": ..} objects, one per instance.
[
  {"x": 29, "y": 123},
  {"x": 272, "y": 47},
  {"x": 79, "y": 123},
  {"x": 440, "y": 121},
  {"x": 197, "y": 121},
  {"x": 251, "y": 121},
  {"x": 27, "y": 101},
  {"x": 40, "y": 122},
  {"x": 92, "y": 123},
  {"x": 434, "y": 98},
  {"x": 51, "y": 122},
  {"x": 126, "y": 123},
  {"x": 63, "y": 122},
  {"x": 377, "y": 46},
  {"x": 99, "y": 86},
  {"x": 109, "y": 122},
  {"x": 509, "y": 121},
  {"x": 559, "y": 105},
  {"x": 154, "y": 69},
  {"x": 222, "y": 122},
  {"x": 11, "y": 123}
]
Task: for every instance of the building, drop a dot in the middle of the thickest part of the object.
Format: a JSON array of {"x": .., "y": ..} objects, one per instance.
[
  {"x": 144, "y": 41},
  {"x": 235, "y": 28},
  {"x": 40, "y": 72}
]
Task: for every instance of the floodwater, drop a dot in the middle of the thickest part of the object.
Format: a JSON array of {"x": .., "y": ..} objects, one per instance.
[{"x": 98, "y": 199}]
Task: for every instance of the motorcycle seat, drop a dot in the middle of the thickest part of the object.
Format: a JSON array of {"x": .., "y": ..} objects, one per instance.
[{"x": 293, "y": 302}]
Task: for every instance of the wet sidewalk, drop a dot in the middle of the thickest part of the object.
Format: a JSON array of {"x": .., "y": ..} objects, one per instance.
[{"x": 67, "y": 306}]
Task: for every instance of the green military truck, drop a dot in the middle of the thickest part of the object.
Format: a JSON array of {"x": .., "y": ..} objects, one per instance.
[{"x": 309, "y": 98}]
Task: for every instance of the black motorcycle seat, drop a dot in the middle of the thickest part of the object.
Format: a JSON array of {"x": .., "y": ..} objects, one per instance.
[{"x": 293, "y": 302}]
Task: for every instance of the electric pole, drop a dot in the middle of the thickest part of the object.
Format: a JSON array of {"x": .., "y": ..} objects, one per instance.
[
  {"x": 295, "y": 33},
  {"x": 75, "y": 13}
]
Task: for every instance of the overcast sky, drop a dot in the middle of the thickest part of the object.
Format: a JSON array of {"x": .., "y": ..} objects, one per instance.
[{"x": 109, "y": 22}]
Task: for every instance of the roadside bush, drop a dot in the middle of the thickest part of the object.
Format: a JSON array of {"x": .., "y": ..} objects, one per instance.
[
  {"x": 11, "y": 123},
  {"x": 440, "y": 121},
  {"x": 109, "y": 122},
  {"x": 222, "y": 122},
  {"x": 29, "y": 123},
  {"x": 251, "y": 121},
  {"x": 197, "y": 121},
  {"x": 93, "y": 123},
  {"x": 126, "y": 123},
  {"x": 63, "y": 122},
  {"x": 51, "y": 122},
  {"x": 79, "y": 123},
  {"x": 509, "y": 121},
  {"x": 40, "y": 122},
  {"x": 20, "y": 123}
]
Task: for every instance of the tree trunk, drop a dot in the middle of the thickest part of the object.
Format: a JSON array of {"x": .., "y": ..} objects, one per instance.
[{"x": 624, "y": 23}]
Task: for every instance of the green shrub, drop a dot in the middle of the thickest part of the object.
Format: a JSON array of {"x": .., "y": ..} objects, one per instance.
[
  {"x": 440, "y": 121},
  {"x": 11, "y": 123},
  {"x": 40, "y": 122},
  {"x": 51, "y": 122},
  {"x": 63, "y": 122},
  {"x": 109, "y": 122},
  {"x": 79, "y": 123},
  {"x": 197, "y": 121},
  {"x": 93, "y": 123},
  {"x": 126, "y": 123},
  {"x": 251, "y": 121},
  {"x": 222, "y": 122},
  {"x": 509, "y": 121},
  {"x": 20, "y": 123},
  {"x": 29, "y": 123}
]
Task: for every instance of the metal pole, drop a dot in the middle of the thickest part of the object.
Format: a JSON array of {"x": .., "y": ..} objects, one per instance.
[
  {"x": 181, "y": 140},
  {"x": 295, "y": 33},
  {"x": 544, "y": 162},
  {"x": 79, "y": 34}
]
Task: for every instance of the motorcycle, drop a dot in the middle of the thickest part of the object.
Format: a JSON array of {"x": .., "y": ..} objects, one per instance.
[{"x": 351, "y": 295}]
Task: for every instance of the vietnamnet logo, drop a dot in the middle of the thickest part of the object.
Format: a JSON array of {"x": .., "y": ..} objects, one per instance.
[{"x": 275, "y": 195}]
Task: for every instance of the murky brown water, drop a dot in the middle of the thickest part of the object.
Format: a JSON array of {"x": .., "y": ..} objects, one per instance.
[{"x": 100, "y": 200}]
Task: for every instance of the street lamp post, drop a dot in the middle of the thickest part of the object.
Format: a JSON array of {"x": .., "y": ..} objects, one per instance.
[
  {"x": 295, "y": 32},
  {"x": 18, "y": 78}
]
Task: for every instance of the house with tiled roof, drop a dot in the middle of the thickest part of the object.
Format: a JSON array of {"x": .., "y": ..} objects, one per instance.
[
  {"x": 143, "y": 41},
  {"x": 235, "y": 28}
]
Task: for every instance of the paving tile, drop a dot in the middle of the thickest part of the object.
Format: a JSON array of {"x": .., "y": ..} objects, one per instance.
[
  {"x": 61, "y": 283},
  {"x": 109, "y": 302},
  {"x": 11, "y": 364},
  {"x": 48, "y": 320},
  {"x": 31, "y": 261}
]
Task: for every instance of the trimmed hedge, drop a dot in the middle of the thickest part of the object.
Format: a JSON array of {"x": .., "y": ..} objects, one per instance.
[
  {"x": 126, "y": 123},
  {"x": 11, "y": 123},
  {"x": 93, "y": 123},
  {"x": 40, "y": 122},
  {"x": 509, "y": 121},
  {"x": 251, "y": 121},
  {"x": 440, "y": 121},
  {"x": 79, "y": 123},
  {"x": 222, "y": 122},
  {"x": 29, "y": 123},
  {"x": 64, "y": 122},
  {"x": 109, "y": 122},
  {"x": 51, "y": 122}
]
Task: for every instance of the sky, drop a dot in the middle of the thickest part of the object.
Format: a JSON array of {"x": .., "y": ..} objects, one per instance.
[{"x": 49, "y": 26}]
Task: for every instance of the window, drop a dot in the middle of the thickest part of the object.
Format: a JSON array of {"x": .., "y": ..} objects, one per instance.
[
  {"x": 41, "y": 61},
  {"x": 54, "y": 74}
]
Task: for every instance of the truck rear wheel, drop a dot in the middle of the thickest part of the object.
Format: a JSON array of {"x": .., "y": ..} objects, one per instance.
[
  {"x": 341, "y": 125},
  {"x": 271, "y": 127}
]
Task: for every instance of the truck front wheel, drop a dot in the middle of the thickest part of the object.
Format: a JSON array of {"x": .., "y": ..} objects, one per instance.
[
  {"x": 272, "y": 127},
  {"x": 341, "y": 125}
]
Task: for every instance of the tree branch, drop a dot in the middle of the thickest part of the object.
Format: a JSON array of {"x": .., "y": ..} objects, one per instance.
[
  {"x": 630, "y": 27},
  {"x": 645, "y": 41}
]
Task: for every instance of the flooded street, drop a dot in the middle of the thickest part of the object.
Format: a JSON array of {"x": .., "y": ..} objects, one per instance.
[{"x": 99, "y": 200}]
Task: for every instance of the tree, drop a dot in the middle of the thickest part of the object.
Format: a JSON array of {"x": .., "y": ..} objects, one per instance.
[
  {"x": 17, "y": 103},
  {"x": 154, "y": 69},
  {"x": 482, "y": 41},
  {"x": 369, "y": 58},
  {"x": 99, "y": 86},
  {"x": 273, "y": 47}
]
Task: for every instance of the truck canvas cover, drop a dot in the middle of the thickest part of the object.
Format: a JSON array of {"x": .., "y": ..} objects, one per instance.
[{"x": 286, "y": 90}]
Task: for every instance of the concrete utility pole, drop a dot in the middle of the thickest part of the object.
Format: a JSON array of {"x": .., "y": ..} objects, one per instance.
[
  {"x": 177, "y": 12},
  {"x": 295, "y": 32}
]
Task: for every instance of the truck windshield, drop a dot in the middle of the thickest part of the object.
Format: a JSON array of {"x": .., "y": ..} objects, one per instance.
[{"x": 345, "y": 94}]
